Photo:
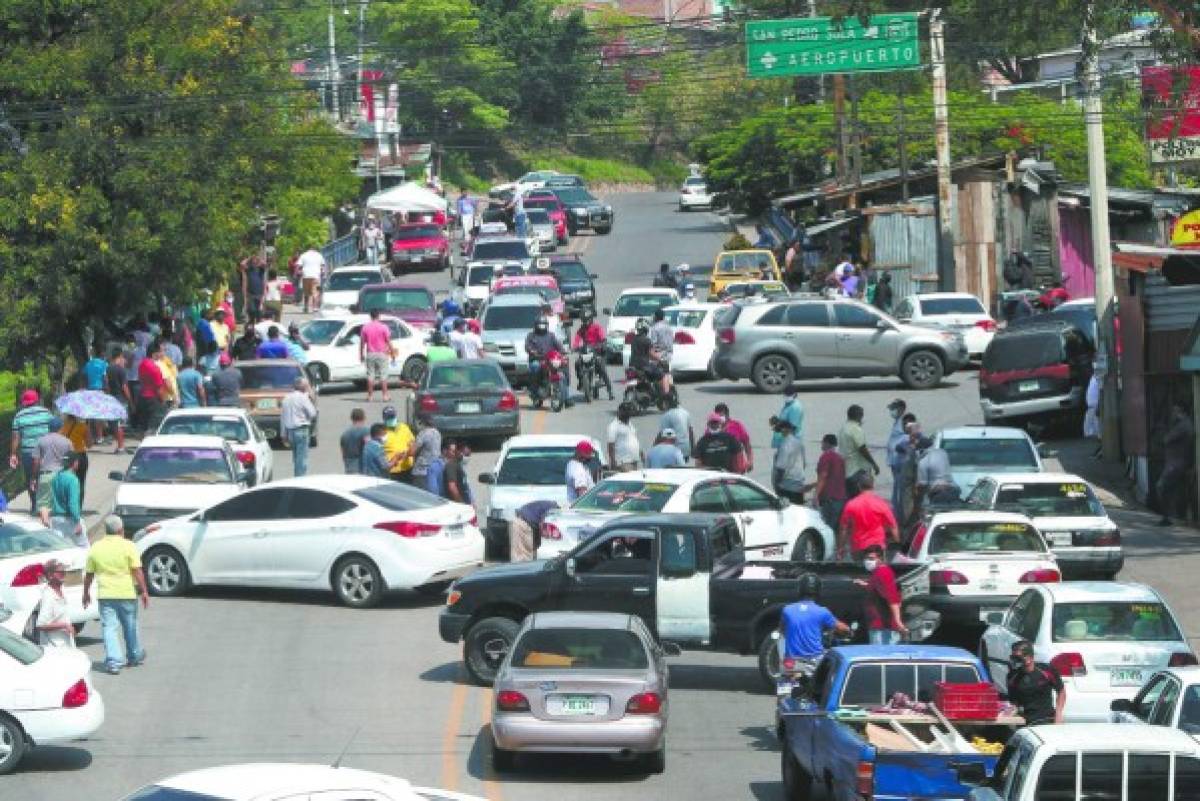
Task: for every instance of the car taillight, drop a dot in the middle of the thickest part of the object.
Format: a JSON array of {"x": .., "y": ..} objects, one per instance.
[
  {"x": 1069, "y": 664},
  {"x": 453, "y": 597},
  {"x": 407, "y": 529},
  {"x": 428, "y": 403},
  {"x": 1182, "y": 659},
  {"x": 76, "y": 696},
  {"x": 644, "y": 704},
  {"x": 551, "y": 532},
  {"x": 629, "y": 338},
  {"x": 986, "y": 325},
  {"x": 946, "y": 578},
  {"x": 508, "y": 401},
  {"x": 246, "y": 458},
  {"x": 684, "y": 338},
  {"x": 511, "y": 701},
  {"x": 864, "y": 779},
  {"x": 1043, "y": 576},
  {"x": 726, "y": 336},
  {"x": 28, "y": 576},
  {"x": 1107, "y": 538}
]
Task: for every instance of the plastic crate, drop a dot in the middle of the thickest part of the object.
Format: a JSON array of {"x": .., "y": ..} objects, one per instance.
[{"x": 967, "y": 701}]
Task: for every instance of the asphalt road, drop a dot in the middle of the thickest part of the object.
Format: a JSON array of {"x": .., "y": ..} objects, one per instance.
[{"x": 236, "y": 676}]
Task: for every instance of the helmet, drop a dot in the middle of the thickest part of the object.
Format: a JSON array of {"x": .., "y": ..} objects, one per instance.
[
  {"x": 642, "y": 327},
  {"x": 542, "y": 325},
  {"x": 450, "y": 308},
  {"x": 439, "y": 338},
  {"x": 809, "y": 586}
]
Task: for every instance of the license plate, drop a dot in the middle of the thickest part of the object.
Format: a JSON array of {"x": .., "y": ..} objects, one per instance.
[
  {"x": 1061, "y": 539},
  {"x": 468, "y": 408},
  {"x": 454, "y": 532},
  {"x": 987, "y": 586},
  {"x": 783, "y": 689},
  {"x": 266, "y": 403},
  {"x": 1126, "y": 677},
  {"x": 1027, "y": 386},
  {"x": 578, "y": 705},
  {"x": 74, "y": 578},
  {"x": 416, "y": 259},
  {"x": 270, "y": 433}
]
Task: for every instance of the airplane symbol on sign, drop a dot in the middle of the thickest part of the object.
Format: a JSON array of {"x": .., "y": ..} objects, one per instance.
[{"x": 768, "y": 60}]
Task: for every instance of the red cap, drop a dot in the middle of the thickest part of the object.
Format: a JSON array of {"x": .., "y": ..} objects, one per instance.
[
  {"x": 225, "y": 360},
  {"x": 29, "y": 397},
  {"x": 585, "y": 449}
]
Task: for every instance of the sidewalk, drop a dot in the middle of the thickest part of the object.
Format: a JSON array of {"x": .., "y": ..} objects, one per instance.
[{"x": 100, "y": 491}]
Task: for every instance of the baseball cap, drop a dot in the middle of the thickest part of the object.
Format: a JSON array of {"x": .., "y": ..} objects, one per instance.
[
  {"x": 29, "y": 397},
  {"x": 667, "y": 433},
  {"x": 389, "y": 413},
  {"x": 584, "y": 449},
  {"x": 225, "y": 360},
  {"x": 715, "y": 419}
]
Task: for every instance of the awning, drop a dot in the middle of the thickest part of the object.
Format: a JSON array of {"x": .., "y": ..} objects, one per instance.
[
  {"x": 825, "y": 227},
  {"x": 407, "y": 197},
  {"x": 1180, "y": 266}
]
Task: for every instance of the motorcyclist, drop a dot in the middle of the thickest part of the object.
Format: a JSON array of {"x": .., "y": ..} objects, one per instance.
[
  {"x": 540, "y": 345},
  {"x": 591, "y": 333},
  {"x": 664, "y": 277},
  {"x": 803, "y": 624},
  {"x": 450, "y": 311},
  {"x": 662, "y": 338}
]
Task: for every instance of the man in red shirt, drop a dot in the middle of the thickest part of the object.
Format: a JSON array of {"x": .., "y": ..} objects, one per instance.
[
  {"x": 152, "y": 389},
  {"x": 831, "y": 482},
  {"x": 881, "y": 607},
  {"x": 738, "y": 432},
  {"x": 866, "y": 521}
]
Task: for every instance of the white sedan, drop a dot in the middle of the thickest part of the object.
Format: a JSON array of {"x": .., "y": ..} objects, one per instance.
[
  {"x": 356, "y": 536},
  {"x": 288, "y": 782},
  {"x": 951, "y": 311},
  {"x": 695, "y": 339},
  {"x": 25, "y": 546},
  {"x": 333, "y": 348},
  {"x": 772, "y": 528},
  {"x": 235, "y": 426},
  {"x": 341, "y": 288},
  {"x": 633, "y": 305},
  {"x": 694, "y": 194},
  {"x": 1105, "y": 638},
  {"x": 46, "y": 696}
]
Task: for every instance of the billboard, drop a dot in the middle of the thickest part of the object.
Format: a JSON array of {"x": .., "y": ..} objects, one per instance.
[{"x": 1172, "y": 99}]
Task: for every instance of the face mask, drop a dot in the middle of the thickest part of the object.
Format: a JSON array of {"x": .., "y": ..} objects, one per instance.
[
  {"x": 870, "y": 564},
  {"x": 1016, "y": 662},
  {"x": 895, "y": 414}
]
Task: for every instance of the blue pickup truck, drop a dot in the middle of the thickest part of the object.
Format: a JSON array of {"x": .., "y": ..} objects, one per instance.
[{"x": 832, "y": 738}]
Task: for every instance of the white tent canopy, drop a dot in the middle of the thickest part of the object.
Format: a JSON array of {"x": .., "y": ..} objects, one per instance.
[{"x": 409, "y": 196}]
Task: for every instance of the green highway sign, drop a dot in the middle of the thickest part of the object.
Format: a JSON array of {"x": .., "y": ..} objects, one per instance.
[{"x": 778, "y": 48}]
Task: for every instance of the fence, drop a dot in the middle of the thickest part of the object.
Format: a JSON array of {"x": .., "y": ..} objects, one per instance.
[{"x": 341, "y": 251}]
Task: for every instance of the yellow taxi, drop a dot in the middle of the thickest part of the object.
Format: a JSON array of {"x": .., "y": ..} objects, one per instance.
[{"x": 737, "y": 266}]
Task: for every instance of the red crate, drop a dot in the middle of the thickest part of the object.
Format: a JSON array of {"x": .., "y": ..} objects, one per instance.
[{"x": 967, "y": 701}]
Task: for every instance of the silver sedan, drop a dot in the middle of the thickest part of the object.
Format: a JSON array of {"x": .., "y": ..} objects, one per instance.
[{"x": 581, "y": 682}]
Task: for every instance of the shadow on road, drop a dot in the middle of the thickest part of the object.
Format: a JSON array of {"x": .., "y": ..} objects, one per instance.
[
  {"x": 762, "y": 738},
  {"x": 393, "y": 600},
  {"x": 552, "y": 768},
  {"x": 448, "y": 673},
  {"x": 716, "y": 677},
  {"x": 767, "y": 791},
  {"x": 54, "y": 759}
]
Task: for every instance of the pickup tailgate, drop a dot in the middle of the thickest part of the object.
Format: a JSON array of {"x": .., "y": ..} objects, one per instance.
[{"x": 912, "y": 774}]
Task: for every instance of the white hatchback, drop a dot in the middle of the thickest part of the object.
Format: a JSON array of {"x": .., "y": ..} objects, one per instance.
[
  {"x": 951, "y": 311},
  {"x": 235, "y": 426},
  {"x": 333, "y": 348},
  {"x": 356, "y": 536},
  {"x": 695, "y": 339},
  {"x": 1105, "y": 639},
  {"x": 25, "y": 546},
  {"x": 694, "y": 194}
]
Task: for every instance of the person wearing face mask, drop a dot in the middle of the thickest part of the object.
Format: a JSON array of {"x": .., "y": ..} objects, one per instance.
[
  {"x": 54, "y": 627},
  {"x": 1035, "y": 688},
  {"x": 881, "y": 606},
  {"x": 867, "y": 522},
  {"x": 896, "y": 409},
  {"x": 793, "y": 412}
]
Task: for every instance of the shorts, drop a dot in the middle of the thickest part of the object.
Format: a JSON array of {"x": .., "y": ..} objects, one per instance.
[
  {"x": 44, "y": 496},
  {"x": 310, "y": 287},
  {"x": 377, "y": 366}
]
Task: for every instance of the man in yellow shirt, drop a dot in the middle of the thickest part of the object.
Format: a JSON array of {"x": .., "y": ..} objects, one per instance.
[
  {"x": 220, "y": 329},
  {"x": 170, "y": 376},
  {"x": 396, "y": 444},
  {"x": 114, "y": 564}
]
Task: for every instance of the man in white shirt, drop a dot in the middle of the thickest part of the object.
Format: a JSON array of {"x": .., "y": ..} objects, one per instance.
[
  {"x": 579, "y": 476},
  {"x": 624, "y": 452},
  {"x": 466, "y": 343},
  {"x": 843, "y": 267},
  {"x": 312, "y": 270}
]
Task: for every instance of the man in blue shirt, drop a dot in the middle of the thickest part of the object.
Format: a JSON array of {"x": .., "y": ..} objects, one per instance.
[
  {"x": 191, "y": 386},
  {"x": 274, "y": 347},
  {"x": 94, "y": 372},
  {"x": 374, "y": 461},
  {"x": 805, "y": 622}
]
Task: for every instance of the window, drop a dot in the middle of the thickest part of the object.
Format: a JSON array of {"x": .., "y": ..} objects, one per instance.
[
  {"x": 321, "y": 332},
  {"x": 905, "y": 309},
  {"x": 232, "y": 429},
  {"x": 686, "y": 318},
  {"x": 586, "y": 649},
  {"x": 1102, "y": 777},
  {"x": 1016, "y": 615},
  {"x": 394, "y": 299},
  {"x": 873, "y": 683},
  {"x": 864, "y": 686},
  {"x": 1033, "y": 618},
  {"x": 772, "y": 316},
  {"x": 251, "y": 505},
  {"x": 399, "y": 497},
  {"x": 849, "y": 315},
  {"x": 964, "y": 305},
  {"x": 481, "y": 275},
  {"x": 1165, "y": 707},
  {"x": 1056, "y": 780},
  {"x": 1150, "y": 774},
  {"x": 979, "y": 537},
  {"x": 642, "y": 305},
  {"x": 981, "y": 496},
  {"x": 991, "y": 452},
  {"x": 508, "y": 318},
  {"x": 20, "y": 541},
  {"x": 453, "y": 375},
  {"x": 1187, "y": 778},
  {"x": 19, "y": 648},
  {"x": 1056, "y": 499},
  {"x": 179, "y": 466},
  {"x": 396, "y": 329},
  {"x": 678, "y": 551},
  {"x": 710, "y": 497},
  {"x": 352, "y": 280},
  {"x": 304, "y": 504},
  {"x": 809, "y": 315},
  {"x": 543, "y": 467},
  {"x": 620, "y": 553},
  {"x": 1024, "y": 352},
  {"x": 417, "y": 232},
  {"x": 1114, "y": 621},
  {"x": 1189, "y": 710},
  {"x": 617, "y": 495},
  {"x": 725, "y": 540},
  {"x": 745, "y": 497},
  {"x": 269, "y": 376},
  {"x": 157, "y": 792},
  {"x": 1143, "y": 704}
]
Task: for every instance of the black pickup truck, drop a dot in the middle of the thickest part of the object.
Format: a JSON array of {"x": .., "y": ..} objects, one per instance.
[{"x": 684, "y": 574}]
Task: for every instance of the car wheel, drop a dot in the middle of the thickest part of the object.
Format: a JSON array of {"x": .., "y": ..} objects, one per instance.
[
  {"x": 768, "y": 662},
  {"x": 921, "y": 369},
  {"x": 656, "y": 761},
  {"x": 12, "y": 744},
  {"x": 605, "y": 230},
  {"x": 773, "y": 373},
  {"x": 166, "y": 572},
  {"x": 413, "y": 370},
  {"x": 711, "y": 374},
  {"x": 318, "y": 374},
  {"x": 357, "y": 582},
  {"x": 808, "y": 547},
  {"x": 485, "y": 646},
  {"x": 797, "y": 784}
]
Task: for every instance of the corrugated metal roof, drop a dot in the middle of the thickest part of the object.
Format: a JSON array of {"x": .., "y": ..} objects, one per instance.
[{"x": 1170, "y": 308}]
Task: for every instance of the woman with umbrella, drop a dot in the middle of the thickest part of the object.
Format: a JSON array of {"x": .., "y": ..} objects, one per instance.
[
  {"x": 77, "y": 409},
  {"x": 80, "y": 435}
]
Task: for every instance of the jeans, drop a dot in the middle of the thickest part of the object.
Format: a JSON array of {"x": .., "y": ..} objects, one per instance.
[
  {"x": 70, "y": 530},
  {"x": 352, "y": 467},
  {"x": 897, "y": 492},
  {"x": 373, "y": 253},
  {"x": 31, "y": 480},
  {"x": 122, "y": 614},
  {"x": 298, "y": 439},
  {"x": 883, "y": 637}
]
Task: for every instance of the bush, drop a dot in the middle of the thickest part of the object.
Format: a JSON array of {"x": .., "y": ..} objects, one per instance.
[{"x": 737, "y": 242}]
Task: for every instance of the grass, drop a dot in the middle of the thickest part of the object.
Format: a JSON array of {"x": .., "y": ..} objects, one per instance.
[
  {"x": 591, "y": 170},
  {"x": 508, "y": 163}
]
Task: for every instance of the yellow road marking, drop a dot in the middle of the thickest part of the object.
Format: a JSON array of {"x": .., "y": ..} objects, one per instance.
[
  {"x": 491, "y": 788},
  {"x": 458, "y": 702}
]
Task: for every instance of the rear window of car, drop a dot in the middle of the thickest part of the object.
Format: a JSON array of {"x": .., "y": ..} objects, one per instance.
[
  {"x": 743, "y": 262},
  {"x": 341, "y": 281},
  {"x": 571, "y": 270},
  {"x": 21, "y": 541},
  {"x": 1056, "y": 499},
  {"x": 543, "y": 467},
  {"x": 581, "y": 649},
  {"x": 504, "y": 318},
  {"x": 537, "y": 216},
  {"x": 1114, "y": 621},
  {"x": 480, "y": 276},
  {"x": 983, "y": 537},
  {"x": 156, "y": 792},
  {"x": 19, "y": 648},
  {"x": 1024, "y": 352},
  {"x": 936, "y": 306},
  {"x": 399, "y": 497},
  {"x": 421, "y": 232},
  {"x": 162, "y": 465},
  {"x": 321, "y": 332},
  {"x": 686, "y": 318},
  {"x": 641, "y": 305},
  {"x": 389, "y": 299},
  {"x": 546, "y": 293},
  {"x": 990, "y": 452},
  {"x": 873, "y": 683},
  {"x": 694, "y": 182},
  {"x": 625, "y": 495},
  {"x": 269, "y": 376},
  {"x": 464, "y": 376},
  {"x": 500, "y": 250},
  {"x": 233, "y": 429}
]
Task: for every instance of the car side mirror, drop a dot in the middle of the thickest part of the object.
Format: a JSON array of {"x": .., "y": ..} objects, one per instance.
[
  {"x": 116, "y": 475},
  {"x": 671, "y": 649},
  {"x": 882, "y": 324},
  {"x": 487, "y": 478},
  {"x": 972, "y": 773},
  {"x": 1121, "y": 705},
  {"x": 569, "y": 567},
  {"x": 1043, "y": 450}
]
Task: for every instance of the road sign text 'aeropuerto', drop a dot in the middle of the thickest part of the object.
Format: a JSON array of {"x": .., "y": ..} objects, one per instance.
[{"x": 816, "y": 45}]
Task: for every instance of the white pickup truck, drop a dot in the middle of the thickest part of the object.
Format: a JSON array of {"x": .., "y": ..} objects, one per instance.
[{"x": 1082, "y": 761}]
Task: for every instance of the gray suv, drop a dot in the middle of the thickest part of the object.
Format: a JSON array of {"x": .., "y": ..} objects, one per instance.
[
  {"x": 506, "y": 321},
  {"x": 773, "y": 344}
]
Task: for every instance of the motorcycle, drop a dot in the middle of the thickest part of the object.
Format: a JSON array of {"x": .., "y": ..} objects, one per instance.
[
  {"x": 644, "y": 394},
  {"x": 795, "y": 675},
  {"x": 590, "y": 359},
  {"x": 546, "y": 382}
]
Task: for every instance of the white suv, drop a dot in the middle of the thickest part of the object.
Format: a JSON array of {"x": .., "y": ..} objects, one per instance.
[{"x": 978, "y": 451}]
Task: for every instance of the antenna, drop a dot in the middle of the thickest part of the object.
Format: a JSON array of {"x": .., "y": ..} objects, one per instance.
[{"x": 337, "y": 763}]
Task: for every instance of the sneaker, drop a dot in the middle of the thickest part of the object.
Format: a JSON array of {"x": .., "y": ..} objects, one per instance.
[{"x": 112, "y": 670}]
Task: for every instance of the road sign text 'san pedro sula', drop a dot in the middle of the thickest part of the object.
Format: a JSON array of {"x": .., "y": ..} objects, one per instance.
[{"x": 817, "y": 45}]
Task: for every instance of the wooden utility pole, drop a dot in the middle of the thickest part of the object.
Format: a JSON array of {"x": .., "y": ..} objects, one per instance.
[
  {"x": 947, "y": 270},
  {"x": 843, "y": 133},
  {"x": 902, "y": 146},
  {"x": 856, "y": 132}
]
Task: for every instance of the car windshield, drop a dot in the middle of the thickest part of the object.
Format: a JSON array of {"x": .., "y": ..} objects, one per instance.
[
  {"x": 975, "y": 537},
  {"x": 182, "y": 465},
  {"x": 399, "y": 497},
  {"x": 624, "y": 495},
  {"x": 502, "y": 249},
  {"x": 935, "y": 306},
  {"x": 686, "y": 318},
  {"x": 545, "y": 203},
  {"x": 641, "y": 305},
  {"x": 21, "y": 541},
  {"x": 418, "y": 232},
  {"x": 543, "y": 467},
  {"x": 507, "y": 318},
  {"x": 480, "y": 276},
  {"x": 413, "y": 298},
  {"x": 584, "y": 649},
  {"x": 544, "y": 292},
  {"x": 1053, "y": 499},
  {"x": 346, "y": 280},
  {"x": 1023, "y": 352},
  {"x": 747, "y": 262},
  {"x": 1114, "y": 621},
  {"x": 19, "y": 648},
  {"x": 485, "y": 375},
  {"x": 269, "y": 376},
  {"x": 233, "y": 429},
  {"x": 1005, "y": 454},
  {"x": 571, "y": 271},
  {"x": 574, "y": 197},
  {"x": 321, "y": 332},
  {"x": 694, "y": 182},
  {"x": 537, "y": 216}
]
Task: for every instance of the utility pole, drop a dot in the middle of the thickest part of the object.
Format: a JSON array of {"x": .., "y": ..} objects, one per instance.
[
  {"x": 362, "y": 12},
  {"x": 334, "y": 82},
  {"x": 941, "y": 137},
  {"x": 839, "y": 112},
  {"x": 1110, "y": 429},
  {"x": 855, "y": 132},
  {"x": 903, "y": 148}
]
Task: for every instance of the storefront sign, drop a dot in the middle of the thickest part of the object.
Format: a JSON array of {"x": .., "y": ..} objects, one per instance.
[
  {"x": 1186, "y": 231},
  {"x": 1172, "y": 95},
  {"x": 818, "y": 45}
]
